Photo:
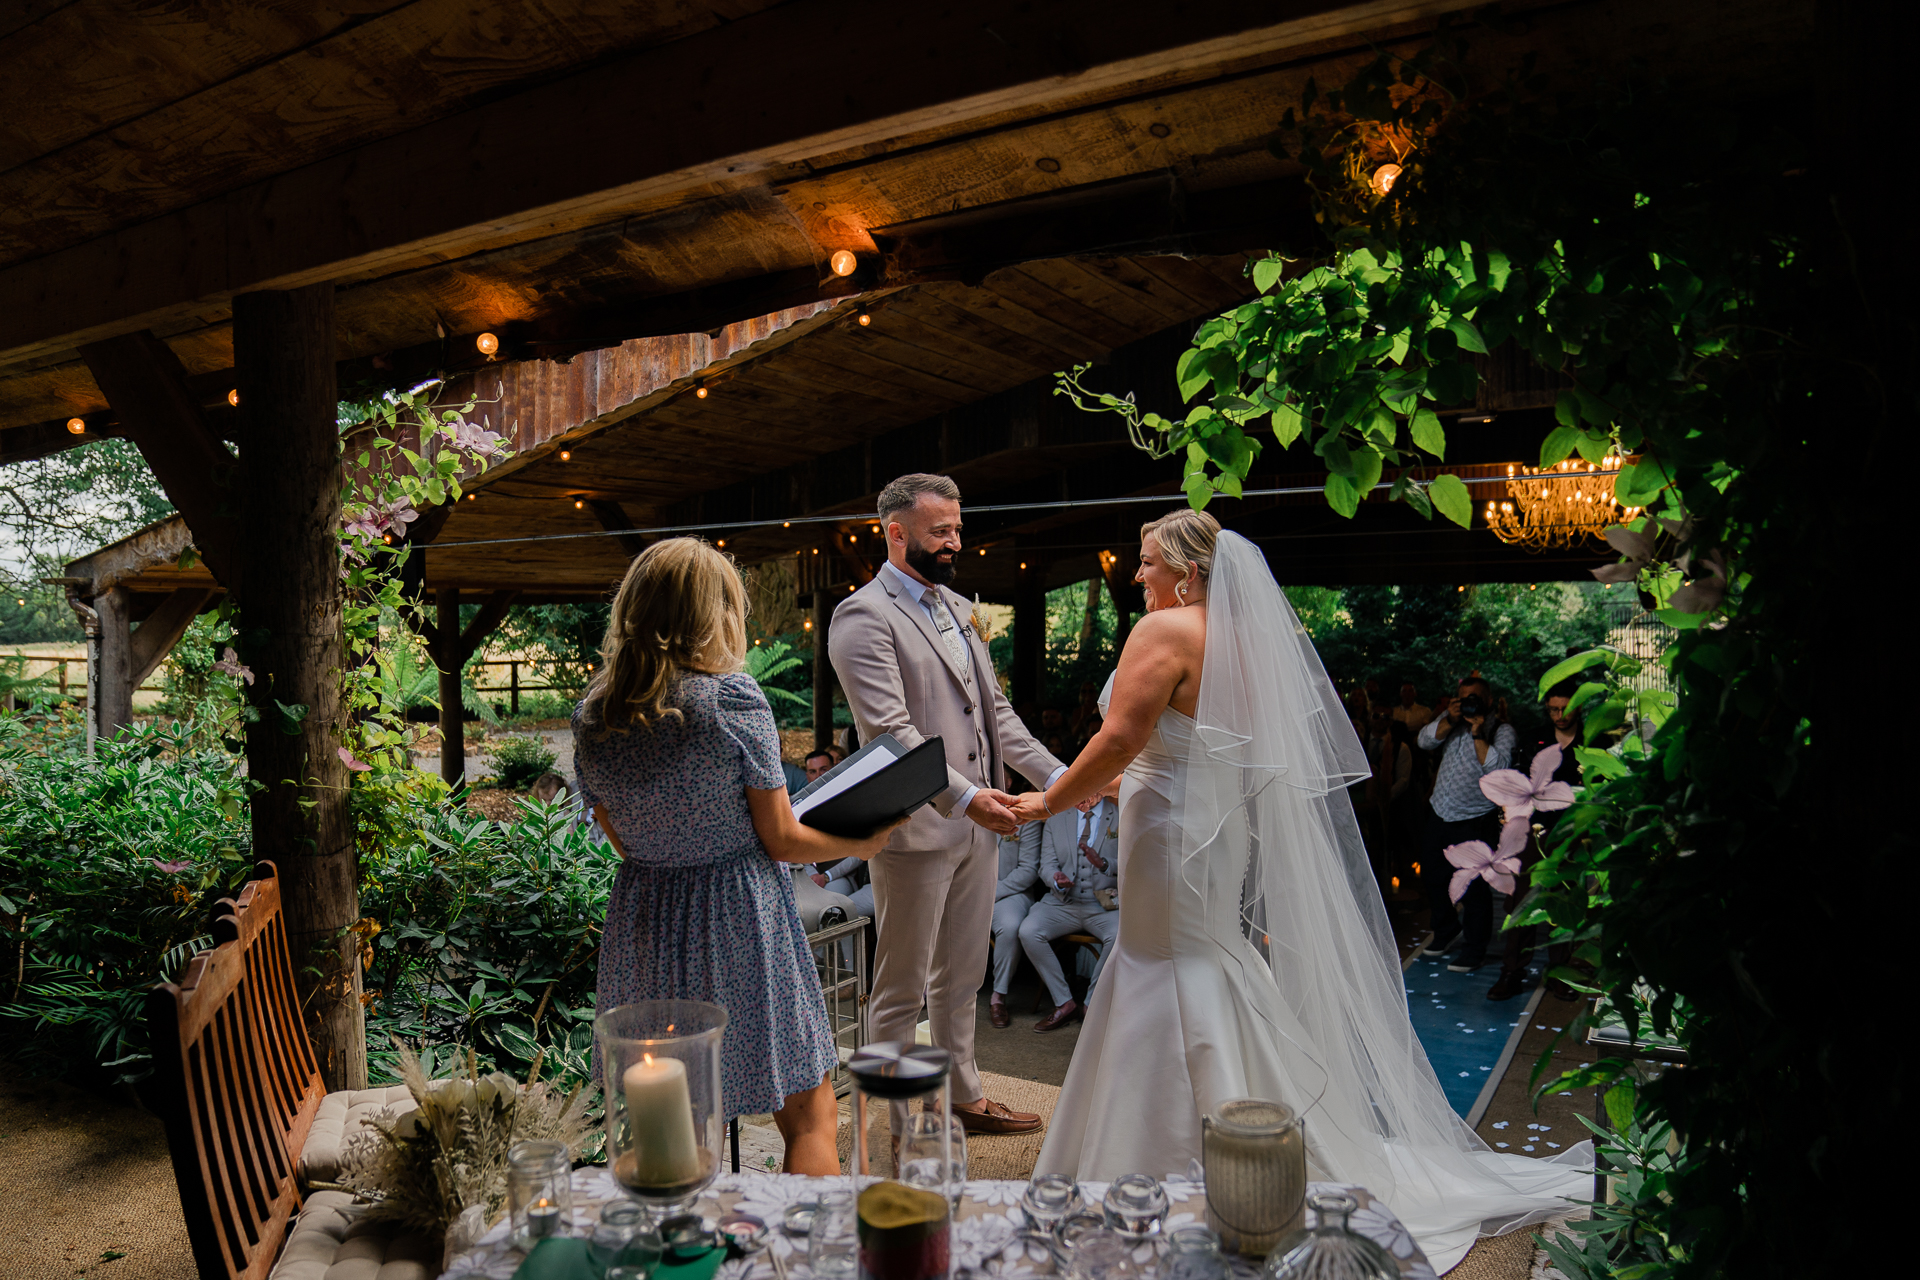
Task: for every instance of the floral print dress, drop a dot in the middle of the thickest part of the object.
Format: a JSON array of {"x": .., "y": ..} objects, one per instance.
[{"x": 699, "y": 910}]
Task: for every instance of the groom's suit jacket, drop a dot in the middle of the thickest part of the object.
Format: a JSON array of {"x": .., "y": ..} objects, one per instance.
[{"x": 900, "y": 679}]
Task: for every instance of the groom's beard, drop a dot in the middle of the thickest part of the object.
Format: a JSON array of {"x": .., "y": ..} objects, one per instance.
[{"x": 929, "y": 566}]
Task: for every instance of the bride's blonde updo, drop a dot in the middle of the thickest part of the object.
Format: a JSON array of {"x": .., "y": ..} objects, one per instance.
[{"x": 1186, "y": 539}]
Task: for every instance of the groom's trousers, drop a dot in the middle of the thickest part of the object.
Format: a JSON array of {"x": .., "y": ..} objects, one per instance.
[{"x": 934, "y": 916}]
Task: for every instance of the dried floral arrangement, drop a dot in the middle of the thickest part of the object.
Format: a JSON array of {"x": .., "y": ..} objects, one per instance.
[{"x": 425, "y": 1168}]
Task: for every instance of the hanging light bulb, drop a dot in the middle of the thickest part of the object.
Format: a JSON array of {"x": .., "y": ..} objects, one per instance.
[
  {"x": 807, "y": 625},
  {"x": 722, "y": 544},
  {"x": 78, "y": 426},
  {"x": 473, "y": 497},
  {"x": 566, "y": 455},
  {"x": 699, "y": 393},
  {"x": 864, "y": 319},
  {"x": 579, "y": 504},
  {"x": 1383, "y": 179},
  {"x": 487, "y": 343},
  {"x": 233, "y": 397},
  {"x": 843, "y": 262}
]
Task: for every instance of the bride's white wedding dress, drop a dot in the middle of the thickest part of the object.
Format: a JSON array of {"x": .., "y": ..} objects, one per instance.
[{"x": 1254, "y": 959}]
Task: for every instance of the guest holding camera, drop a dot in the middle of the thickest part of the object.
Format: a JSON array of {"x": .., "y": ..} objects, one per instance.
[
  {"x": 678, "y": 760},
  {"x": 1473, "y": 738}
]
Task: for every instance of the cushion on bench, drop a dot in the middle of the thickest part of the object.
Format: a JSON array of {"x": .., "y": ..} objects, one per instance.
[
  {"x": 328, "y": 1243},
  {"x": 340, "y": 1116}
]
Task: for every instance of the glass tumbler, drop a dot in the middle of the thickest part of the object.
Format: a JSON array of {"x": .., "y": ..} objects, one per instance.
[
  {"x": 932, "y": 1160},
  {"x": 660, "y": 1063},
  {"x": 1048, "y": 1199},
  {"x": 1103, "y": 1255},
  {"x": 539, "y": 1191},
  {"x": 1136, "y": 1204},
  {"x": 1193, "y": 1253},
  {"x": 833, "y": 1241}
]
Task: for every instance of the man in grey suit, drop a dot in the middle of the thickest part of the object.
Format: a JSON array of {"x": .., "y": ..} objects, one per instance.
[
  {"x": 913, "y": 666},
  {"x": 1015, "y": 893},
  {"x": 1080, "y": 868}
]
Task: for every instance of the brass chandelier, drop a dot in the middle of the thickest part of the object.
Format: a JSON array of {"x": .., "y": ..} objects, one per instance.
[{"x": 1558, "y": 506}]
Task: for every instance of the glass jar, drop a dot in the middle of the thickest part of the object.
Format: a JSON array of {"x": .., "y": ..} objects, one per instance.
[
  {"x": 905, "y": 1223},
  {"x": 1193, "y": 1253},
  {"x": 1255, "y": 1155},
  {"x": 1136, "y": 1204},
  {"x": 833, "y": 1237},
  {"x": 660, "y": 1062},
  {"x": 1329, "y": 1250},
  {"x": 1048, "y": 1199},
  {"x": 539, "y": 1191}
]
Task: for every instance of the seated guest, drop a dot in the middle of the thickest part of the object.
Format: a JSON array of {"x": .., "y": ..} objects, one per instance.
[
  {"x": 1012, "y": 897},
  {"x": 1080, "y": 870},
  {"x": 818, "y": 762},
  {"x": 678, "y": 758},
  {"x": 550, "y": 787}
]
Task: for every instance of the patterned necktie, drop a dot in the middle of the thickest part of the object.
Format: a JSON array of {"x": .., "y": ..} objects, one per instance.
[
  {"x": 950, "y": 636},
  {"x": 1086, "y": 835}
]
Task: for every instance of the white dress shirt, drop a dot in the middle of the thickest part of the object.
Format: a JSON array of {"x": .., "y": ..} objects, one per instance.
[{"x": 921, "y": 594}]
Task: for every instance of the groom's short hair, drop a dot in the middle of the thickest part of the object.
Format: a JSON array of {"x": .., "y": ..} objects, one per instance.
[{"x": 904, "y": 492}]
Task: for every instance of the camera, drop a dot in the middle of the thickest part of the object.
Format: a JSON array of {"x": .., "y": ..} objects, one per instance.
[{"x": 1472, "y": 706}]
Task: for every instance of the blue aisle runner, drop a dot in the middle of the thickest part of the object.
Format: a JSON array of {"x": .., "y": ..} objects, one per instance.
[{"x": 1462, "y": 1031}]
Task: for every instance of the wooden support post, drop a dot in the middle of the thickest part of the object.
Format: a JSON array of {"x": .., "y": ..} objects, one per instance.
[
  {"x": 822, "y": 670},
  {"x": 290, "y": 626},
  {"x": 163, "y": 628},
  {"x": 1030, "y": 637},
  {"x": 448, "y": 658},
  {"x": 110, "y": 701}
]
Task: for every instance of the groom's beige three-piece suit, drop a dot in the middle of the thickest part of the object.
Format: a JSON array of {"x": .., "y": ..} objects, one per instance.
[{"x": 921, "y": 671}]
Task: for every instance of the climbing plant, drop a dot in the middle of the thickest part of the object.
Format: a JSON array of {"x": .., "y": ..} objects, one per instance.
[{"x": 1658, "y": 253}]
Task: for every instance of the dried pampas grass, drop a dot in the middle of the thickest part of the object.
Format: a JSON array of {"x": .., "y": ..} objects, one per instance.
[{"x": 424, "y": 1168}]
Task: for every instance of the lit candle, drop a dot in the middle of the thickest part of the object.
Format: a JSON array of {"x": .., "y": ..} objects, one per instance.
[
  {"x": 543, "y": 1215},
  {"x": 660, "y": 1114}
]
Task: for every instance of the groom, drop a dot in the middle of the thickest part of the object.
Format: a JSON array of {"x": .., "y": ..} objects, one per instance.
[{"x": 912, "y": 665}]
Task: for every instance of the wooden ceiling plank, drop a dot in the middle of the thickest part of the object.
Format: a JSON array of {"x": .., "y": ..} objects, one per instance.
[{"x": 1037, "y": 292}]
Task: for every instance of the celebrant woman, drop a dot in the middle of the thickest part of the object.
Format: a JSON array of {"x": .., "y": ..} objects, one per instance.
[
  {"x": 1253, "y": 957},
  {"x": 678, "y": 759}
]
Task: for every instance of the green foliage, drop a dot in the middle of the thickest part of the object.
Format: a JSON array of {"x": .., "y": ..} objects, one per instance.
[
  {"x": 561, "y": 640},
  {"x": 1661, "y": 255},
  {"x": 109, "y": 865},
  {"x": 1068, "y": 663},
  {"x": 767, "y": 662},
  {"x": 487, "y": 935},
  {"x": 60, "y": 506},
  {"x": 519, "y": 759}
]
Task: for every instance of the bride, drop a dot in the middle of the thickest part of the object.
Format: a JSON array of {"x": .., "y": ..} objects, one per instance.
[{"x": 1254, "y": 957}]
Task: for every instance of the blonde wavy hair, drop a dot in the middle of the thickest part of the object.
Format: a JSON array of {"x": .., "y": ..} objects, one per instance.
[
  {"x": 1186, "y": 539},
  {"x": 682, "y": 607}
]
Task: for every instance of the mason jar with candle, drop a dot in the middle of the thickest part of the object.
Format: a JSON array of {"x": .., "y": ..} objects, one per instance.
[
  {"x": 1255, "y": 1154},
  {"x": 539, "y": 1191},
  {"x": 660, "y": 1067}
]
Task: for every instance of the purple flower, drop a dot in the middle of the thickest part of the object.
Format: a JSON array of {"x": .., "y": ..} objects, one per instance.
[
  {"x": 1520, "y": 795},
  {"x": 1497, "y": 868},
  {"x": 173, "y": 868},
  {"x": 230, "y": 665}
]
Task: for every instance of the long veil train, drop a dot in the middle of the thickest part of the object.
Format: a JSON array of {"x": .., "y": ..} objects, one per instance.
[{"x": 1268, "y": 763}]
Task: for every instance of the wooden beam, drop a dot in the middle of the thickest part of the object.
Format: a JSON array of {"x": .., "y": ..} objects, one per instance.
[
  {"x": 493, "y": 611},
  {"x": 614, "y": 519},
  {"x": 147, "y": 386},
  {"x": 290, "y": 482},
  {"x": 746, "y": 100},
  {"x": 154, "y": 639}
]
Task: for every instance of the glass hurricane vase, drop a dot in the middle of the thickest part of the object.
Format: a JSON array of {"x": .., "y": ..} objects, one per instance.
[{"x": 660, "y": 1065}]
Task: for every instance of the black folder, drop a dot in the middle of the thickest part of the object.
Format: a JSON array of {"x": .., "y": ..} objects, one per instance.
[{"x": 890, "y": 787}]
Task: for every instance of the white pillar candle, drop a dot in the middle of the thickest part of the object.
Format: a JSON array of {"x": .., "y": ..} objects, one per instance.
[{"x": 660, "y": 1115}]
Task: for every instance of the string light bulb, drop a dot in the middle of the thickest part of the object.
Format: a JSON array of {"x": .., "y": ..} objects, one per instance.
[
  {"x": 233, "y": 397},
  {"x": 473, "y": 497},
  {"x": 843, "y": 262},
  {"x": 1383, "y": 179},
  {"x": 864, "y": 319},
  {"x": 387, "y": 538},
  {"x": 579, "y": 504},
  {"x": 807, "y": 625},
  {"x": 78, "y": 426},
  {"x": 699, "y": 393},
  {"x": 487, "y": 343},
  {"x": 722, "y": 544},
  {"x": 566, "y": 455}
]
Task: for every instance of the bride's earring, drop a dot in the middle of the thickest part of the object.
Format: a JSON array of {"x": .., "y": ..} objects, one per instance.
[{"x": 1181, "y": 591}]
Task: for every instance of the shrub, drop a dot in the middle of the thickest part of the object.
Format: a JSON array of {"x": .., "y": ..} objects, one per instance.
[{"x": 519, "y": 759}]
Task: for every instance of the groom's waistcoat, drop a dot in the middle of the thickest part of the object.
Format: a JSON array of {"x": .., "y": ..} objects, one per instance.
[{"x": 900, "y": 679}]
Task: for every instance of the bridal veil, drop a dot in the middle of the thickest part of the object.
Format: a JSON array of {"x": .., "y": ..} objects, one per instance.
[{"x": 1268, "y": 766}]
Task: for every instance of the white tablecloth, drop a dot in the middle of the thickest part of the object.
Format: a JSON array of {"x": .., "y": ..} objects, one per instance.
[{"x": 988, "y": 1218}]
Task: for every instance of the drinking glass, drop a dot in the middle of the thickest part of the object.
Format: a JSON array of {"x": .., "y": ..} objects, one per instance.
[
  {"x": 1072, "y": 1229},
  {"x": 1103, "y": 1255},
  {"x": 1049, "y": 1198},
  {"x": 833, "y": 1242},
  {"x": 1193, "y": 1253},
  {"x": 1329, "y": 1250},
  {"x": 1136, "y": 1204},
  {"x": 620, "y": 1221},
  {"x": 539, "y": 1191},
  {"x": 921, "y": 1151}
]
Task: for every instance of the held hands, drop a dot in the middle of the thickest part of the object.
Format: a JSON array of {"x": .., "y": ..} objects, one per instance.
[
  {"x": 1030, "y": 807},
  {"x": 991, "y": 810}
]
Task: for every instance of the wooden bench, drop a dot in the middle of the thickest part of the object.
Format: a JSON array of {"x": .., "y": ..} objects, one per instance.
[{"x": 237, "y": 1086}]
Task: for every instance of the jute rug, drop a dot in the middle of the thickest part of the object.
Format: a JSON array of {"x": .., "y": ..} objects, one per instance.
[
  {"x": 1507, "y": 1257},
  {"x": 86, "y": 1189}
]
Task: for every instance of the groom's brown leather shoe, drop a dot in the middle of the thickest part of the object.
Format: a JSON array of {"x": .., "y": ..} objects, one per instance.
[
  {"x": 994, "y": 1117},
  {"x": 997, "y": 1013},
  {"x": 1058, "y": 1018}
]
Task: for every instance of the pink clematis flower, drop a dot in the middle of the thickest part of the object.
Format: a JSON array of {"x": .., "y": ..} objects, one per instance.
[
  {"x": 171, "y": 868},
  {"x": 1496, "y": 867},
  {"x": 1520, "y": 795},
  {"x": 358, "y": 766},
  {"x": 231, "y": 665}
]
